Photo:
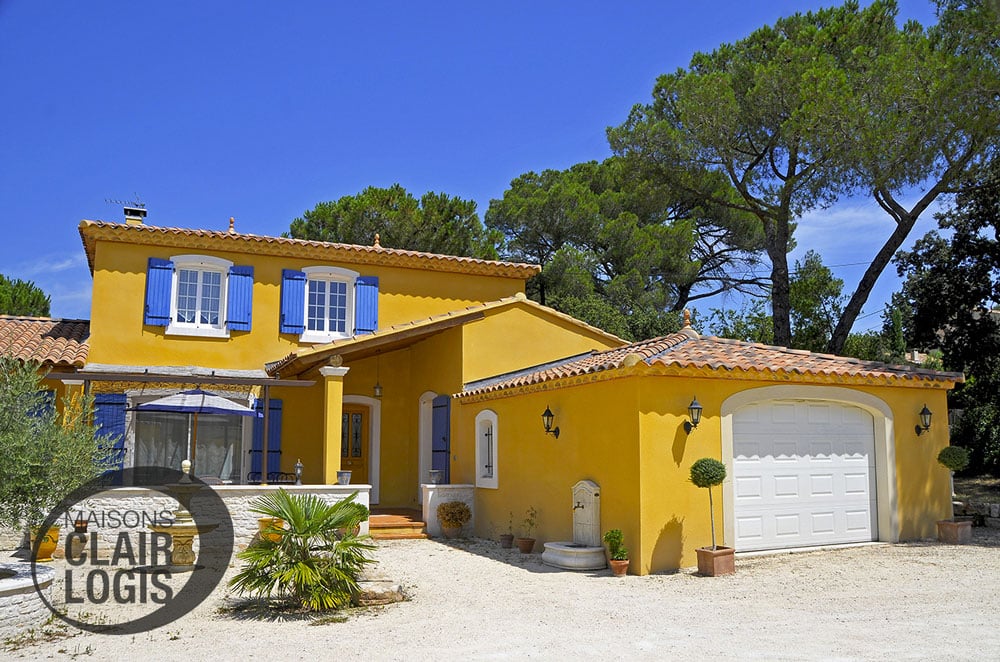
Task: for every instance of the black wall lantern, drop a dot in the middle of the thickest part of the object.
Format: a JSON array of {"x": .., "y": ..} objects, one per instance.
[
  {"x": 547, "y": 418},
  {"x": 925, "y": 421},
  {"x": 694, "y": 412}
]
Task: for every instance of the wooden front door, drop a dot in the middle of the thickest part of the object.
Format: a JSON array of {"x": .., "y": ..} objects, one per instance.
[{"x": 354, "y": 442}]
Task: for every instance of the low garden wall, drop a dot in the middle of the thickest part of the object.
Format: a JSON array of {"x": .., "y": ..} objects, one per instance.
[
  {"x": 21, "y": 609},
  {"x": 983, "y": 513}
]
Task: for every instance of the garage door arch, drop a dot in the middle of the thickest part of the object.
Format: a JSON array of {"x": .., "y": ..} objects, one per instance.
[{"x": 885, "y": 456}]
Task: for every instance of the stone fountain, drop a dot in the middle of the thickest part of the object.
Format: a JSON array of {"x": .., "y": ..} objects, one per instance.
[
  {"x": 184, "y": 528},
  {"x": 585, "y": 551}
]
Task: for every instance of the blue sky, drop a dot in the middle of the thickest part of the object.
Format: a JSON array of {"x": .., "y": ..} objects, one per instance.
[{"x": 259, "y": 110}]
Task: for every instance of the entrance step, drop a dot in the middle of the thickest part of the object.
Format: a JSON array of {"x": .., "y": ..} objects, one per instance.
[{"x": 396, "y": 524}]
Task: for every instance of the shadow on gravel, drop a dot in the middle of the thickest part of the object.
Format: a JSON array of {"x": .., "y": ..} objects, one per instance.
[{"x": 491, "y": 549}]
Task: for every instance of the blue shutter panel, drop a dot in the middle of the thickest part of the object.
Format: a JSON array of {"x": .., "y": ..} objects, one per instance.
[
  {"x": 159, "y": 279},
  {"x": 239, "y": 306},
  {"x": 365, "y": 305},
  {"x": 273, "y": 438},
  {"x": 109, "y": 425},
  {"x": 441, "y": 435},
  {"x": 293, "y": 301}
]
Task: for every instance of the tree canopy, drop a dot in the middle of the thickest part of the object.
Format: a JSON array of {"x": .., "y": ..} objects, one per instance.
[
  {"x": 950, "y": 291},
  {"x": 19, "y": 297},
  {"x": 436, "y": 223},
  {"x": 619, "y": 252},
  {"x": 823, "y": 104}
]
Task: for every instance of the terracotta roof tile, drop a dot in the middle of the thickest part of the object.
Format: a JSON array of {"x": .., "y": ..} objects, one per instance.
[
  {"x": 686, "y": 349},
  {"x": 53, "y": 342},
  {"x": 92, "y": 231}
]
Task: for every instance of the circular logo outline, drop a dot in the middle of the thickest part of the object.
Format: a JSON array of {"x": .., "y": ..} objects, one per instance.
[{"x": 214, "y": 553}]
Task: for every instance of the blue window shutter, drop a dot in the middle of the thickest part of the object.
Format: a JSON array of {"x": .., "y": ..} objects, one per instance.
[
  {"x": 365, "y": 305},
  {"x": 159, "y": 279},
  {"x": 239, "y": 306},
  {"x": 441, "y": 435},
  {"x": 109, "y": 425},
  {"x": 273, "y": 438},
  {"x": 293, "y": 301},
  {"x": 46, "y": 405}
]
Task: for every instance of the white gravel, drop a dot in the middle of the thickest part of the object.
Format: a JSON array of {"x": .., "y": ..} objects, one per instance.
[{"x": 471, "y": 599}]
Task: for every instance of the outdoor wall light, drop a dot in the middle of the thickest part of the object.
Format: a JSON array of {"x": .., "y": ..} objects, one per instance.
[
  {"x": 298, "y": 472},
  {"x": 547, "y": 418},
  {"x": 694, "y": 412},
  {"x": 378, "y": 386},
  {"x": 925, "y": 421}
]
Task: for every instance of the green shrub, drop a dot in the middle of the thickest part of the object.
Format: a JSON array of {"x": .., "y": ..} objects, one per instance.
[
  {"x": 46, "y": 454},
  {"x": 317, "y": 559},
  {"x": 613, "y": 538},
  {"x": 708, "y": 472},
  {"x": 953, "y": 458},
  {"x": 453, "y": 514}
]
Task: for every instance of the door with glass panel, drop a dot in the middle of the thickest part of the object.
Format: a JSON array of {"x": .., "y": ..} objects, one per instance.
[{"x": 354, "y": 443}]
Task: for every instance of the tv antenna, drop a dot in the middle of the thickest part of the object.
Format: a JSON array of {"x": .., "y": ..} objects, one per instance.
[{"x": 134, "y": 204}]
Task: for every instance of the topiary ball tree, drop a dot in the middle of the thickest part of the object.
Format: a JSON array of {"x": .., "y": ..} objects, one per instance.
[
  {"x": 708, "y": 472},
  {"x": 953, "y": 458}
]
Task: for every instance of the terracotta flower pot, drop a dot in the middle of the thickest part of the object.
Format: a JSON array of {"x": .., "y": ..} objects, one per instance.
[
  {"x": 619, "y": 568},
  {"x": 525, "y": 545},
  {"x": 506, "y": 540},
  {"x": 955, "y": 533},
  {"x": 451, "y": 532},
  {"x": 48, "y": 544},
  {"x": 715, "y": 562}
]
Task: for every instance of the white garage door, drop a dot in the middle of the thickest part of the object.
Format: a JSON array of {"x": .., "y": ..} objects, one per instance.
[{"x": 803, "y": 474}]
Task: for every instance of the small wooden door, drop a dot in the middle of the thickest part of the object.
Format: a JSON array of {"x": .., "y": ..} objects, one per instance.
[{"x": 354, "y": 442}]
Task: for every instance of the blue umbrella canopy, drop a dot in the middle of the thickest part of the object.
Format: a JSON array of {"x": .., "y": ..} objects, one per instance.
[{"x": 197, "y": 401}]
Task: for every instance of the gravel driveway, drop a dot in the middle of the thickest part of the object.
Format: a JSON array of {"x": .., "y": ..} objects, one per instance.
[{"x": 471, "y": 599}]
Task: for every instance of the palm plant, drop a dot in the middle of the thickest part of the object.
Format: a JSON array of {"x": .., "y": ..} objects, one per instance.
[{"x": 316, "y": 559}]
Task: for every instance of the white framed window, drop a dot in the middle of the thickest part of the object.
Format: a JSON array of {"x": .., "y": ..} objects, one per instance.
[
  {"x": 198, "y": 302},
  {"x": 486, "y": 449},
  {"x": 329, "y": 303}
]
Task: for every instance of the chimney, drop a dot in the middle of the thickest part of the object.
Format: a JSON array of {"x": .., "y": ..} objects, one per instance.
[{"x": 134, "y": 215}]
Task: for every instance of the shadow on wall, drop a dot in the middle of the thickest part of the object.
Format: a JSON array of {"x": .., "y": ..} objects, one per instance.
[
  {"x": 680, "y": 440},
  {"x": 669, "y": 545}
]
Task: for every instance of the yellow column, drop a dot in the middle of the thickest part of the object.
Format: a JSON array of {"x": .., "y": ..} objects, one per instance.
[{"x": 333, "y": 408}]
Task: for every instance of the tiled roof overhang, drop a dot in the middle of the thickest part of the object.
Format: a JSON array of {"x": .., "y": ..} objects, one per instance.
[
  {"x": 55, "y": 343},
  {"x": 208, "y": 240},
  {"x": 687, "y": 354}
]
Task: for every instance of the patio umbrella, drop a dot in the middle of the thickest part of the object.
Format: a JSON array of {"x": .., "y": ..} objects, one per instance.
[{"x": 193, "y": 403}]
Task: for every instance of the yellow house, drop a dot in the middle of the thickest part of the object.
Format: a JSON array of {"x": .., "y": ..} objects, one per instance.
[
  {"x": 392, "y": 363},
  {"x": 819, "y": 449},
  {"x": 355, "y": 350}
]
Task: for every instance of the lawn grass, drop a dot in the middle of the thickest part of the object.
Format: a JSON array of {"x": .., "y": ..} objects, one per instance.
[{"x": 978, "y": 488}]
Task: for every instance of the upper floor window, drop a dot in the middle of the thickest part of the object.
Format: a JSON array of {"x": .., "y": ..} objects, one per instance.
[
  {"x": 486, "y": 449},
  {"x": 198, "y": 295},
  {"x": 321, "y": 304}
]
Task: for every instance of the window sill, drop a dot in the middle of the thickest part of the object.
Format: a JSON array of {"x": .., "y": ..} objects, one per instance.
[
  {"x": 487, "y": 483},
  {"x": 322, "y": 338},
  {"x": 203, "y": 332}
]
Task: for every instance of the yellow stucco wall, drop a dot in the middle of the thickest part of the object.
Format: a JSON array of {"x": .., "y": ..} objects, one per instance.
[
  {"x": 628, "y": 436},
  {"x": 118, "y": 335},
  {"x": 521, "y": 335}
]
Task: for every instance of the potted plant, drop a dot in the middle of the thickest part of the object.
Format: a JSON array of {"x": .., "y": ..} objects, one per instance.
[
  {"x": 453, "y": 515},
  {"x": 526, "y": 543},
  {"x": 955, "y": 532},
  {"x": 617, "y": 553},
  {"x": 47, "y": 453},
  {"x": 507, "y": 539},
  {"x": 715, "y": 560}
]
